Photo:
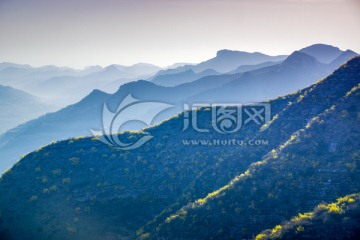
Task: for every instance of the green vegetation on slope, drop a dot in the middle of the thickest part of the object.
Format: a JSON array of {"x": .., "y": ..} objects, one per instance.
[
  {"x": 337, "y": 220},
  {"x": 84, "y": 189},
  {"x": 318, "y": 163}
]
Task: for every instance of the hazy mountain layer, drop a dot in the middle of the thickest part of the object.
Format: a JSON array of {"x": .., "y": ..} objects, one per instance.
[
  {"x": 170, "y": 80},
  {"x": 322, "y": 52},
  {"x": 64, "y": 86},
  {"x": 317, "y": 163},
  {"x": 84, "y": 189},
  {"x": 297, "y": 71},
  {"x": 19, "y": 107}
]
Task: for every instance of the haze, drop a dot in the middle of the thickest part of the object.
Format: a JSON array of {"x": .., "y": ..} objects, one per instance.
[{"x": 162, "y": 32}]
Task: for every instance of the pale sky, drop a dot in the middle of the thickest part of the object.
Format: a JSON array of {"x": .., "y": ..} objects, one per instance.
[{"x": 102, "y": 32}]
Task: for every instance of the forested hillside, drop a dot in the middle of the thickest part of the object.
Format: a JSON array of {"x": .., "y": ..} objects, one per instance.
[
  {"x": 83, "y": 189},
  {"x": 337, "y": 220}
]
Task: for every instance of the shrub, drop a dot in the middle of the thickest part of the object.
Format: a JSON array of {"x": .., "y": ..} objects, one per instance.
[
  {"x": 33, "y": 198},
  {"x": 56, "y": 172},
  {"x": 66, "y": 180},
  {"x": 74, "y": 160}
]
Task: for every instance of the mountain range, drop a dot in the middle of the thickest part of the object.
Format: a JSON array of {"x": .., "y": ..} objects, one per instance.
[
  {"x": 317, "y": 162},
  {"x": 64, "y": 86},
  {"x": 225, "y": 61},
  {"x": 174, "y": 79},
  {"x": 322, "y": 52},
  {"x": 174, "y": 187},
  {"x": 299, "y": 70},
  {"x": 233, "y": 62},
  {"x": 19, "y": 107}
]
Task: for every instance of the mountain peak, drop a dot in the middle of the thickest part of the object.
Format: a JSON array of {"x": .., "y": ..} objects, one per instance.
[
  {"x": 142, "y": 64},
  {"x": 298, "y": 57},
  {"x": 228, "y": 60},
  {"x": 94, "y": 95},
  {"x": 226, "y": 52},
  {"x": 113, "y": 67},
  {"x": 97, "y": 91},
  {"x": 350, "y": 52},
  {"x": 322, "y": 52},
  {"x": 319, "y": 46}
]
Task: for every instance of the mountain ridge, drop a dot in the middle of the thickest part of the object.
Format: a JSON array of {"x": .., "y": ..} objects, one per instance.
[
  {"x": 18, "y": 107},
  {"x": 191, "y": 216},
  {"x": 322, "y": 52},
  {"x": 164, "y": 175},
  {"x": 257, "y": 85}
]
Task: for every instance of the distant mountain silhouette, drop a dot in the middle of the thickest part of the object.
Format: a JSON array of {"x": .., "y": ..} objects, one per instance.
[
  {"x": 297, "y": 71},
  {"x": 81, "y": 188},
  {"x": 176, "y": 65},
  {"x": 344, "y": 57},
  {"x": 172, "y": 71},
  {"x": 73, "y": 88},
  {"x": 173, "y": 77},
  {"x": 247, "y": 68},
  {"x": 316, "y": 163},
  {"x": 18, "y": 107},
  {"x": 50, "y": 127},
  {"x": 4, "y": 65},
  {"x": 299, "y": 59},
  {"x": 170, "y": 80},
  {"x": 226, "y": 60},
  {"x": 64, "y": 86},
  {"x": 79, "y": 118},
  {"x": 322, "y": 52},
  {"x": 91, "y": 69},
  {"x": 61, "y": 85},
  {"x": 24, "y": 76}
]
